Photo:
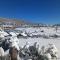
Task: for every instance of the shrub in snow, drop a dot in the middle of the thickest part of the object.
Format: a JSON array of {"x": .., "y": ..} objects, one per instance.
[
  {"x": 55, "y": 36},
  {"x": 44, "y": 36},
  {"x": 42, "y": 31}
]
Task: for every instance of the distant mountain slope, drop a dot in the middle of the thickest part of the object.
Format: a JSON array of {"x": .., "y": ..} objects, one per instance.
[
  {"x": 16, "y": 21},
  {"x": 19, "y": 22}
]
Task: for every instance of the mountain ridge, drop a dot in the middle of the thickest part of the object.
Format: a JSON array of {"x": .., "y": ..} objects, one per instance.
[{"x": 16, "y": 21}]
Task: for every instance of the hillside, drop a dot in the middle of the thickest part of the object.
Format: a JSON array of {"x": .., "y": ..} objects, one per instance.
[{"x": 16, "y": 21}]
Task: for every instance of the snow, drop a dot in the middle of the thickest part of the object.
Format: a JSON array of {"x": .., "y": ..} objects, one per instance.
[
  {"x": 12, "y": 33},
  {"x": 23, "y": 34},
  {"x": 42, "y": 41},
  {"x": 47, "y": 31},
  {"x": 2, "y": 33}
]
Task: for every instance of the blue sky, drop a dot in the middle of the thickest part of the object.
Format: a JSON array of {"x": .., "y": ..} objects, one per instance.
[{"x": 37, "y": 11}]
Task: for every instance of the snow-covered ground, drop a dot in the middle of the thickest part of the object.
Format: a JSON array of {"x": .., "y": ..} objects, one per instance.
[
  {"x": 42, "y": 41},
  {"x": 47, "y": 31}
]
